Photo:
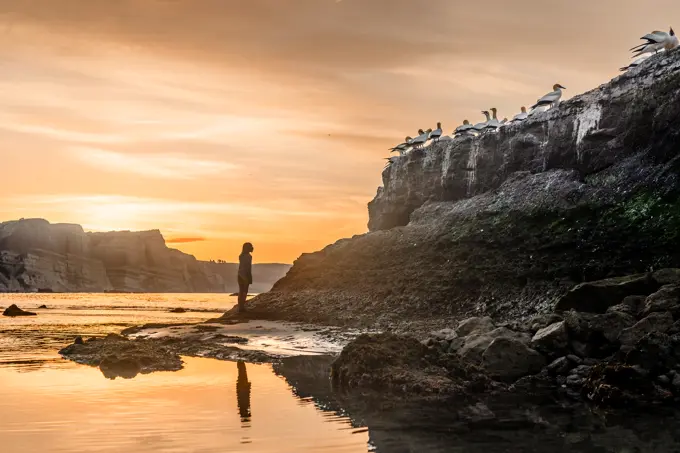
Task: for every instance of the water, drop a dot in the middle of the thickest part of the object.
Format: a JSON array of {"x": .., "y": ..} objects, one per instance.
[
  {"x": 34, "y": 341},
  {"x": 51, "y": 405}
]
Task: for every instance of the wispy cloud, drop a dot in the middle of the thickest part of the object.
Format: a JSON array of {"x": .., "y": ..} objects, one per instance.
[
  {"x": 151, "y": 165},
  {"x": 184, "y": 240}
]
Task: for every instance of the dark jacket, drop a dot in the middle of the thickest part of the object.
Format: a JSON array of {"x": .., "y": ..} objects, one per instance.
[{"x": 245, "y": 265}]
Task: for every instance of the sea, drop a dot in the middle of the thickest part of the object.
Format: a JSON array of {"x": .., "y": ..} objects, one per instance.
[{"x": 49, "y": 404}]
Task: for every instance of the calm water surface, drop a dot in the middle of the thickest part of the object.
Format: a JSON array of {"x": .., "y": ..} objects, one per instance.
[{"x": 48, "y": 404}]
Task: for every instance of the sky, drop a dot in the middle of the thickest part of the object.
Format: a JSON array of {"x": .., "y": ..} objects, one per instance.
[{"x": 225, "y": 121}]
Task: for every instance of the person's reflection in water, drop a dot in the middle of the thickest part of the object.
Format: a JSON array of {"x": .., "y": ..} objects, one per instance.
[{"x": 243, "y": 392}]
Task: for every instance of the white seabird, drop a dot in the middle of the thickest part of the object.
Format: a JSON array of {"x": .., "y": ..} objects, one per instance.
[
  {"x": 479, "y": 127},
  {"x": 550, "y": 99},
  {"x": 420, "y": 140},
  {"x": 493, "y": 123},
  {"x": 520, "y": 116},
  {"x": 635, "y": 63},
  {"x": 435, "y": 134},
  {"x": 402, "y": 147},
  {"x": 656, "y": 41},
  {"x": 464, "y": 129}
]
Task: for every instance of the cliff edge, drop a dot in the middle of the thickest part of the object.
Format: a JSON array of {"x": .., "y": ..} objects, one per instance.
[
  {"x": 504, "y": 224},
  {"x": 36, "y": 255}
]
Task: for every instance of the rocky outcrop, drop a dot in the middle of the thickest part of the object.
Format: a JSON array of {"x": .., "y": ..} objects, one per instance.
[
  {"x": 13, "y": 311},
  {"x": 610, "y": 359},
  {"x": 505, "y": 224},
  {"x": 36, "y": 255}
]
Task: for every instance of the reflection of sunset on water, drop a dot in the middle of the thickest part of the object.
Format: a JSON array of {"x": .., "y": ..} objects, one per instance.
[{"x": 194, "y": 409}]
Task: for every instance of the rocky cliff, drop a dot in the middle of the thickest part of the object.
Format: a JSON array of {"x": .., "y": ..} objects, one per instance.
[
  {"x": 38, "y": 255},
  {"x": 505, "y": 223}
]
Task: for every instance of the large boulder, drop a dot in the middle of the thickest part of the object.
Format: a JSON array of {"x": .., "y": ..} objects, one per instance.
[
  {"x": 475, "y": 325},
  {"x": 13, "y": 310},
  {"x": 475, "y": 344},
  {"x": 667, "y": 298},
  {"x": 508, "y": 359},
  {"x": 598, "y": 296},
  {"x": 551, "y": 339},
  {"x": 655, "y": 322}
]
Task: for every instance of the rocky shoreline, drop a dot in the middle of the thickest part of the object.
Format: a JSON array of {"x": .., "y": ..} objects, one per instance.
[{"x": 617, "y": 345}]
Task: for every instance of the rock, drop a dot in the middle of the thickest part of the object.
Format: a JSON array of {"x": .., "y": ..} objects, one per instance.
[
  {"x": 676, "y": 383},
  {"x": 508, "y": 359},
  {"x": 667, "y": 276},
  {"x": 598, "y": 296},
  {"x": 560, "y": 366},
  {"x": 664, "y": 380},
  {"x": 610, "y": 325},
  {"x": 551, "y": 339},
  {"x": 655, "y": 353},
  {"x": 178, "y": 310},
  {"x": 13, "y": 310},
  {"x": 667, "y": 298},
  {"x": 444, "y": 334},
  {"x": 539, "y": 322},
  {"x": 42, "y": 307},
  {"x": 475, "y": 344},
  {"x": 581, "y": 349},
  {"x": 659, "y": 322},
  {"x": 402, "y": 365},
  {"x": 630, "y": 305},
  {"x": 475, "y": 325},
  {"x": 116, "y": 356},
  {"x": 575, "y": 359},
  {"x": 456, "y": 345}
]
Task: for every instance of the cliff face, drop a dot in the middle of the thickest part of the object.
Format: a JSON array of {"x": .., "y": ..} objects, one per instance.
[
  {"x": 504, "y": 223},
  {"x": 37, "y": 255}
]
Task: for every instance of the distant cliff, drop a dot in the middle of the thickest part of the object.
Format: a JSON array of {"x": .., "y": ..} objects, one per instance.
[
  {"x": 38, "y": 256},
  {"x": 505, "y": 223}
]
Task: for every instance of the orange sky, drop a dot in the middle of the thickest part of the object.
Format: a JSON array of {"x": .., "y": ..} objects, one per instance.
[{"x": 266, "y": 120}]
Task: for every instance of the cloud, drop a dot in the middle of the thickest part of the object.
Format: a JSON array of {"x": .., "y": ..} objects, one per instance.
[
  {"x": 151, "y": 165},
  {"x": 184, "y": 240}
]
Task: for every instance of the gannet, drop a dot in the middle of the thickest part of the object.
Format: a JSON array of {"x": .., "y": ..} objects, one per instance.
[
  {"x": 402, "y": 147},
  {"x": 479, "y": 127},
  {"x": 493, "y": 123},
  {"x": 421, "y": 139},
  {"x": 635, "y": 63},
  {"x": 656, "y": 41},
  {"x": 465, "y": 129},
  {"x": 390, "y": 161},
  {"x": 550, "y": 99},
  {"x": 435, "y": 134},
  {"x": 521, "y": 116}
]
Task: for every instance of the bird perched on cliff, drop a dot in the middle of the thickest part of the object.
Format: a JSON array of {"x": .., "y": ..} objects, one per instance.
[
  {"x": 551, "y": 99},
  {"x": 656, "y": 41},
  {"x": 464, "y": 129},
  {"x": 421, "y": 139},
  {"x": 402, "y": 147},
  {"x": 635, "y": 63},
  {"x": 520, "y": 116},
  {"x": 390, "y": 161},
  {"x": 435, "y": 134},
  {"x": 479, "y": 127},
  {"x": 493, "y": 123}
]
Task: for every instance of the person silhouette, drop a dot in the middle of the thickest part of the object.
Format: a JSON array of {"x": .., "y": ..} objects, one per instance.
[
  {"x": 245, "y": 275},
  {"x": 243, "y": 392}
]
